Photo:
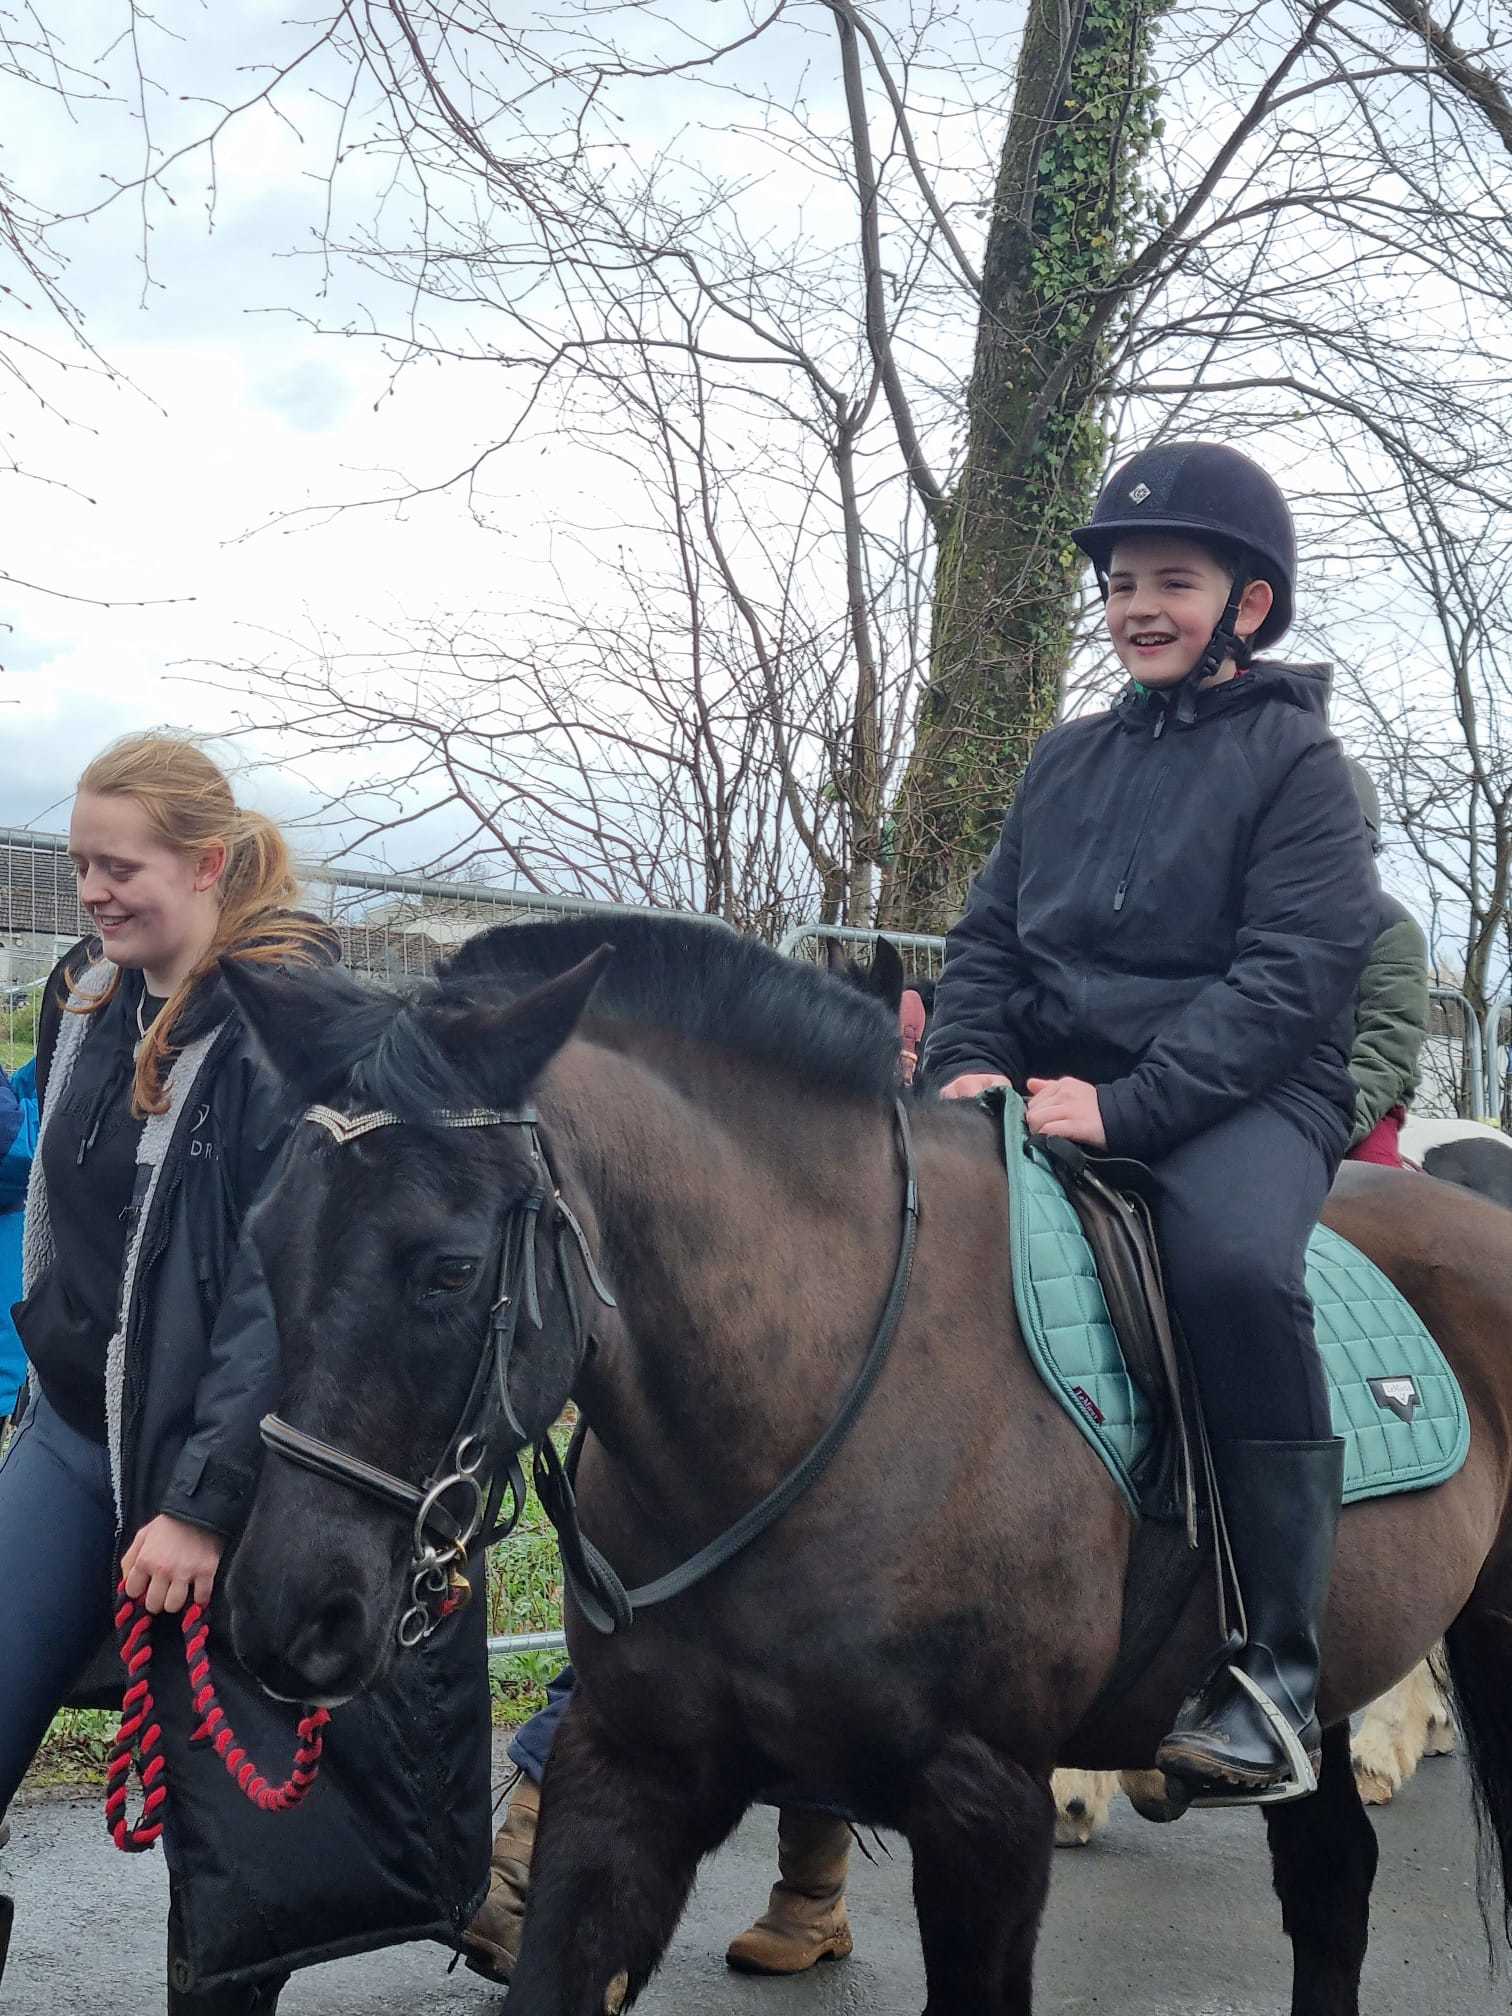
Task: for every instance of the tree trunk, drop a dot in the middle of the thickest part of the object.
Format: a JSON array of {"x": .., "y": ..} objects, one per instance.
[{"x": 1065, "y": 210}]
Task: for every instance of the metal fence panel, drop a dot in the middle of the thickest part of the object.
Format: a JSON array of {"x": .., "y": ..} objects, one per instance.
[
  {"x": 807, "y": 942},
  {"x": 391, "y": 927}
]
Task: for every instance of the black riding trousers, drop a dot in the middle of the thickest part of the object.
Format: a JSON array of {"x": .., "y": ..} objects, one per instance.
[{"x": 1235, "y": 1208}]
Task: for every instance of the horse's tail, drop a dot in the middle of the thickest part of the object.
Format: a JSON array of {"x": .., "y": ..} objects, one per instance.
[{"x": 1478, "y": 1656}]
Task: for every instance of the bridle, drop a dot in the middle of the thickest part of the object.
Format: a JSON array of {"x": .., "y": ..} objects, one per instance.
[
  {"x": 457, "y": 1503},
  {"x": 438, "y": 1581}
]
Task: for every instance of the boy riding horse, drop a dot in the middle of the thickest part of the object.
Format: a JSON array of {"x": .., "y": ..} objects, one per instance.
[{"x": 1164, "y": 949}]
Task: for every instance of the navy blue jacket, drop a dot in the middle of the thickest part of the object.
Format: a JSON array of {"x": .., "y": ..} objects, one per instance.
[{"x": 1179, "y": 911}]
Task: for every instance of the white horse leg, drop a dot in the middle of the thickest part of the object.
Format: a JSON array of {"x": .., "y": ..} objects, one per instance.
[
  {"x": 1083, "y": 1801},
  {"x": 1396, "y": 1733}
]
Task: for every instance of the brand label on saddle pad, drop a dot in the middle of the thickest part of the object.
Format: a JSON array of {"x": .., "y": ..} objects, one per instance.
[{"x": 1395, "y": 1400}]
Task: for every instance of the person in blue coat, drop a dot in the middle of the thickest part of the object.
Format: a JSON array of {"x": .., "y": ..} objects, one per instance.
[
  {"x": 18, "y": 1137},
  {"x": 1164, "y": 951}
]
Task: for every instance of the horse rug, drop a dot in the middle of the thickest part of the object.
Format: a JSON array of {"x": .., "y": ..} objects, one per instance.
[{"x": 1395, "y": 1401}]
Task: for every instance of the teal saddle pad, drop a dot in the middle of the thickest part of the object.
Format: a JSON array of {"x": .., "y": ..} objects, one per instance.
[{"x": 1395, "y": 1401}]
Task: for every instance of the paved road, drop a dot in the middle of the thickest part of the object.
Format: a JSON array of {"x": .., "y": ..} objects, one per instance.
[{"x": 1149, "y": 1921}]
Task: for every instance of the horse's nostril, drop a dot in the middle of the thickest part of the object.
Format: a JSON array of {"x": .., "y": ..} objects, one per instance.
[{"x": 322, "y": 1650}]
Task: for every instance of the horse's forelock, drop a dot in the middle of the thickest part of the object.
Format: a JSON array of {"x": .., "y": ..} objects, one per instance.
[{"x": 407, "y": 1071}]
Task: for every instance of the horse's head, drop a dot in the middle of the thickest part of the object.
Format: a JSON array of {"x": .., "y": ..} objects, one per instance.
[{"x": 412, "y": 1241}]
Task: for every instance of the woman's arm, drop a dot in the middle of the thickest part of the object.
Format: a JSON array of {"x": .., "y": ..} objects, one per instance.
[{"x": 215, "y": 1475}]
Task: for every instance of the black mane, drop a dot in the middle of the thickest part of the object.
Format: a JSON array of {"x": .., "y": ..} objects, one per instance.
[{"x": 698, "y": 980}]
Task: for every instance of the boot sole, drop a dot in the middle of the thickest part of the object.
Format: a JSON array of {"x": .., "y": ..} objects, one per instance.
[
  {"x": 837, "y": 1950},
  {"x": 1203, "y": 1774},
  {"x": 477, "y": 1960}
]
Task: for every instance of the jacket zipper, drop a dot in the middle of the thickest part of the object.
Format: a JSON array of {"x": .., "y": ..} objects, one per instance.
[{"x": 1156, "y": 789}]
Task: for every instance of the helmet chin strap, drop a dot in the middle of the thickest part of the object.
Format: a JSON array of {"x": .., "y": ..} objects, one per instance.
[{"x": 1225, "y": 643}]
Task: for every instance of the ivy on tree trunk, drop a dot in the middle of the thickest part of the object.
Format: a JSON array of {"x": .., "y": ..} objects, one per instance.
[{"x": 1066, "y": 213}]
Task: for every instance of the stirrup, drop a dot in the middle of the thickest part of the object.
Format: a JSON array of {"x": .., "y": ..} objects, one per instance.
[{"x": 1303, "y": 1781}]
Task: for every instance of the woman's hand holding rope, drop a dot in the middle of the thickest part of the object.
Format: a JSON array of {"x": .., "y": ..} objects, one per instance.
[{"x": 170, "y": 1562}]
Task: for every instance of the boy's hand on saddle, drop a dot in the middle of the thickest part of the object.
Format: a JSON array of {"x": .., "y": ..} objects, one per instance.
[
  {"x": 1068, "y": 1107},
  {"x": 972, "y": 1084},
  {"x": 169, "y": 1561}
]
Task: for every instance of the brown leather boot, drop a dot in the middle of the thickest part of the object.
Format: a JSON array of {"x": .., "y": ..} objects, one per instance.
[
  {"x": 805, "y": 1919},
  {"x": 493, "y": 1938}
]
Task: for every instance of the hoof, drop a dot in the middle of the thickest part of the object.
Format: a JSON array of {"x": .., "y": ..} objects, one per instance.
[
  {"x": 1156, "y": 1797},
  {"x": 1376, "y": 1787}
]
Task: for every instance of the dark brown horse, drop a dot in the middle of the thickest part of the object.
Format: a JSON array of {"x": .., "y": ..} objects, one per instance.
[{"x": 928, "y": 1630}]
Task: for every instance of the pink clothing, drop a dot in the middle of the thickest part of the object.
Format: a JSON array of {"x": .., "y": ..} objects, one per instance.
[{"x": 1383, "y": 1144}]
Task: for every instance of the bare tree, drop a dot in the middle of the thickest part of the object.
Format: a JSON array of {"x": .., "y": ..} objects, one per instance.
[
  {"x": 1443, "y": 758},
  {"x": 841, "y": 338}
]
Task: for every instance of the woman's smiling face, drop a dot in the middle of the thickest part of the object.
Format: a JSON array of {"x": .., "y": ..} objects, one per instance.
[
  {"x": 1165, "y": 598},
  {"x": 152, "y": 906}
]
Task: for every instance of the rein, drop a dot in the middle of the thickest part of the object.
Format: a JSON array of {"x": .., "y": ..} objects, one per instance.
[
  {"x": 439, "y": 1583},
  {"x": 597, "y": 1589}
]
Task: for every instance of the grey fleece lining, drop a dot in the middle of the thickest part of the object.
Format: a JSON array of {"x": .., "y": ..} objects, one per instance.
[{"x": 152, "y": 1153}]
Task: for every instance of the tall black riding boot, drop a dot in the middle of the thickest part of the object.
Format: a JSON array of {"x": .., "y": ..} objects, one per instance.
[{"x": 1250, "y": 1734}]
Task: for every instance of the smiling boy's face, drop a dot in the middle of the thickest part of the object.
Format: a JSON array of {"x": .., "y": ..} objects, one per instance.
[{"x": 1165, "y": 597}]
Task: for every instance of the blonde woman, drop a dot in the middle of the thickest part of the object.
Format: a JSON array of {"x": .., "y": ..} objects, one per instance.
[{"x": 154, "y": 1356}]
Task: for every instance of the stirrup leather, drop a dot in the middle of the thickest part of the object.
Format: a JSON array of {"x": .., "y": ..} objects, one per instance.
[{"x": 1304, "y": 1779}]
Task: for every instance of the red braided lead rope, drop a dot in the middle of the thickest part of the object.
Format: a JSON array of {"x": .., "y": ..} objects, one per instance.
[{"x": 137, "y": 1739}]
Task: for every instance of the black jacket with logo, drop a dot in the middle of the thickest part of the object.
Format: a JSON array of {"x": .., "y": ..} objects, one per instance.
[{"x": 1177, "y": 910}]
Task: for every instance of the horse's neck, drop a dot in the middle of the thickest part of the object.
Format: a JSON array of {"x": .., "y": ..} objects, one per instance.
[{"x": 749, "y": 1235}]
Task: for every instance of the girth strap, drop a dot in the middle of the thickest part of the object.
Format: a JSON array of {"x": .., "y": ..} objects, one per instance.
[{"x": 597, "y": 1589}]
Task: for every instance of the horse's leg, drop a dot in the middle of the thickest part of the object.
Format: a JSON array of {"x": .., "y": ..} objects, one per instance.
[
  {"x": 1393, "y": 1737},
  {"x": 1323, "y": 1857},
  {"x": 982, "y": 1831},
  {"x": 621, "y": 1834},
  {"x": 1083, "y": 1801}
]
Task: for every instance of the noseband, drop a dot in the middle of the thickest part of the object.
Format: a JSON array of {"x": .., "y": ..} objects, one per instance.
[{"x": 457, "y": 1503}]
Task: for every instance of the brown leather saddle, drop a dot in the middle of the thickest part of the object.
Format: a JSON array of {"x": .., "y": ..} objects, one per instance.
[{"x": 1112, "y": 1199}]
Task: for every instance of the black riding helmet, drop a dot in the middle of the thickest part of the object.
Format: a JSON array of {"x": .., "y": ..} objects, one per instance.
[{"x": 1204, "y": 491}]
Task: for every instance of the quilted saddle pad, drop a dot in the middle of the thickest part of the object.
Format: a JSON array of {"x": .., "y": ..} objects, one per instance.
[{"x": 1395, "y": 1401}]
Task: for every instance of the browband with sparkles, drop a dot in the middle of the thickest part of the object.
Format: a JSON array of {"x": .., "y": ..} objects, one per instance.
[{"x": 344, "y": 1127}]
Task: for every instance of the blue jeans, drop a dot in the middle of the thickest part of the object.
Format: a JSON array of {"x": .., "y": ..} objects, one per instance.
[
  {"x": 58, "y": 1547},
  {"x": 532, "y": 1743}
]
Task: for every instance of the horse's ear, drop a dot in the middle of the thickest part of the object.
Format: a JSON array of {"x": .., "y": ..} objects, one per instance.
[
  {"x": 504, "y": 1049},
  {"x": 887, "y": 977},
  {"x": 312, "y": 1021}
]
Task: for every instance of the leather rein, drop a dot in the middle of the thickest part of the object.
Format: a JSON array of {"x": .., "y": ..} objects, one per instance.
[{"x": 459, "y": 1504}]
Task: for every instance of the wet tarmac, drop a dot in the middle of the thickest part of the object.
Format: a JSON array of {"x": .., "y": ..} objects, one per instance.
[{"x": 1148, "y": 1921}]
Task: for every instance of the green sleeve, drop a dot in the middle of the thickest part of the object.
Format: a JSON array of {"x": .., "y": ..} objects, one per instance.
[{"x": 1390, "y": 1025}]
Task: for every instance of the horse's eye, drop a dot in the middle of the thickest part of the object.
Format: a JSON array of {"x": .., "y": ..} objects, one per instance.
[{"x": 450, "y": 1275}]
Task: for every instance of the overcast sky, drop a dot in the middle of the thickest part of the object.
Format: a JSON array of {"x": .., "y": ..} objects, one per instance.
[
  {"x": 165, "y": 485},
  {"x": 152, "y": 488}
]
